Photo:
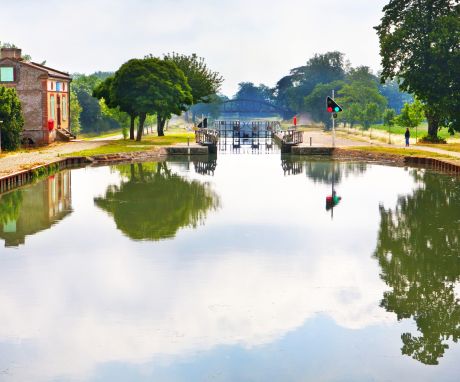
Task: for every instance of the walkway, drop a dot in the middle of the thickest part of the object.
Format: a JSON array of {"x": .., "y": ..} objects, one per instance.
[{"x": 12, "y": 163}]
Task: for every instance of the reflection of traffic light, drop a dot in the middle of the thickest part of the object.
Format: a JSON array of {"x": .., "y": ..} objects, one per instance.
[{"x": 332, "y": 106}]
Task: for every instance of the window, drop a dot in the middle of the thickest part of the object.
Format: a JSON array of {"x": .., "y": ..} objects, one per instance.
[
  {"x": 52, "y": 85},
  {"x": 58, "y": 86},
  {"x": 6, "y": 74},
  {"x": 64, "y": 108},
  {"x": 52, "y": 107}
]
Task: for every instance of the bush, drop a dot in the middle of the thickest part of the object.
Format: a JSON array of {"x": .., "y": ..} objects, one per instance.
[
  {"x": 430, "y": 139},
  {"x": 11, "y": 115}
]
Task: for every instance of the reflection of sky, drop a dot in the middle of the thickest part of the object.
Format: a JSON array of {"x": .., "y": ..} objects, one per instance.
[{"x": 269, "y": 288}]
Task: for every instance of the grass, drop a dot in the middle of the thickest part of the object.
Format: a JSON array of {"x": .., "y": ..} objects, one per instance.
[
  {"x": 422, "y": 130},
  {"x": 147, "y": 143},
  {"x": 455, "y": 147},
  {"x": 91, "y": 136},
  {"x": 406, "y": 152}
]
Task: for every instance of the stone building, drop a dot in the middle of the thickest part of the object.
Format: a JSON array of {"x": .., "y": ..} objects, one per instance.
[{"x": 44, "y": 95}]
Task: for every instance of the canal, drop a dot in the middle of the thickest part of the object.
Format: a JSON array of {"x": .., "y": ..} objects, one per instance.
[{"x": 249, "y": 267}]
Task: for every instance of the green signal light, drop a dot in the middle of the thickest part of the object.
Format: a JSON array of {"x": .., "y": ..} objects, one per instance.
[{"x": 337, "y": 109}]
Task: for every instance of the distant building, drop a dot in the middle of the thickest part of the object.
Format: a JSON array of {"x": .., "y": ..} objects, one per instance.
[{"x": 44, "y": 95}]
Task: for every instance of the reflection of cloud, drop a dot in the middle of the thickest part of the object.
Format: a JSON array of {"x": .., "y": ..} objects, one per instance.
[{"x": 129, "y": 308}]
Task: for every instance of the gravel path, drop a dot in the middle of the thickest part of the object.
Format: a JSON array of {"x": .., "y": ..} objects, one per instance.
[{"x": 24, "y": 160}]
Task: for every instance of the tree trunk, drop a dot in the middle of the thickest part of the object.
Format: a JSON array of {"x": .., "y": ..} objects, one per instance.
[
  {"x": 131, "y": 126},
  {"x": 433, "y": 124},
  {"x": 140, "y": 128},
  {"x": 160, "y": 126}
]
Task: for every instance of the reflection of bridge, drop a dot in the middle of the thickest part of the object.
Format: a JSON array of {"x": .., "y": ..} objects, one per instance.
[{"x": 248, "y": 106}]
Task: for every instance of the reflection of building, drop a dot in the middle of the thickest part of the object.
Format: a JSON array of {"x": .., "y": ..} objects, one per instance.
[{"x": 40, "y": 206}]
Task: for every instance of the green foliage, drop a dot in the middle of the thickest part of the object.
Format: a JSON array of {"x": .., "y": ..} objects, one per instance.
[
  {"x": 419, "y": 43},
  {"x": 411, "y": 115},
  {"x": 291, "y": 90},
  {"x": 153, "y": 203},
  {"x": 75, "y": 111},
  {"x": 203, "y": 82},
  {"x": 151, "y": 86},
  {"x": 11, "y": 115},
  {"x": 360, "y": 98},
  {"x": 315, "y": 102},
  {"x": 211, "y": 108},
  {"x": 419, "y": 255},
  {"x": 389, "y": 117},
  {"x": 10, "y": 205},
  {"x": 249, "y": 91}
]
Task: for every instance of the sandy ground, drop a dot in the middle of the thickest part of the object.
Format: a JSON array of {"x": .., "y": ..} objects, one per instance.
[{"x": 23, "y": 160}]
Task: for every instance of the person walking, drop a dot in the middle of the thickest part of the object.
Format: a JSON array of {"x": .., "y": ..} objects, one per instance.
[{"x": 407, "y": 136}]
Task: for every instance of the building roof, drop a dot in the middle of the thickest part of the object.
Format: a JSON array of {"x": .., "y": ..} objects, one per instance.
[{"x": 50, "y": 71}]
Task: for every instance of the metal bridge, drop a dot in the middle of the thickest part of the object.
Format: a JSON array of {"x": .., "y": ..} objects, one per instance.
[{"x": 248, "y": 106}]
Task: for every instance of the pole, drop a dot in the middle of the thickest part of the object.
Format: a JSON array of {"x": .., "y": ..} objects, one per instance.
[
  {"x": 1, "y": 123},
  {"x": 333, "y": 122}
]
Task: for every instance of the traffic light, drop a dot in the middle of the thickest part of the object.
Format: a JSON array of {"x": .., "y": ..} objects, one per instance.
[{"x": 332, "y": 107}]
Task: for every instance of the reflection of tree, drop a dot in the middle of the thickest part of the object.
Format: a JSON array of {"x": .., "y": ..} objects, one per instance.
[
  {"x": 153, "y": 203},
  {"x": 10, "y": 205},
  {"x": 329, "y": 172},
  {"x": 419, "y": 252}
]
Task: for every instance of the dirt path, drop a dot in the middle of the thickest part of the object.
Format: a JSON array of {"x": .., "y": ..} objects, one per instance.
[{"x": 12, "y": 163}]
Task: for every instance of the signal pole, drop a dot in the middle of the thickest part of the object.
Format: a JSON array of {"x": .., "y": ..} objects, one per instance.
[{"x": 333, "y": 121}]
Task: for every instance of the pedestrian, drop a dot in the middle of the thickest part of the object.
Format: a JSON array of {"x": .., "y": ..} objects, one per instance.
[{"x": 407, "y": 136}]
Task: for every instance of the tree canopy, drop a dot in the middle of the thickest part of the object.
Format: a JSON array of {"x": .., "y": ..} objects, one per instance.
[
  {"x": 420, "y": 46},
  {"x": 204, "y": 82}
]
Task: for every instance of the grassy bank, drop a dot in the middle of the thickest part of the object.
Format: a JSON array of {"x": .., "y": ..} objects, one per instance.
[
  {"x": 405, "y": 152},
  {"x": 147, "y": 143}
]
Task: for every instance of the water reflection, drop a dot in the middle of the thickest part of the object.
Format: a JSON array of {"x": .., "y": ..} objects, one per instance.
[
  {"x": 205, "y": 166},
  {"x": 35, "y": 208},
  {"x": 418, "y": 251},
  {"x": 153, "y": 203}
]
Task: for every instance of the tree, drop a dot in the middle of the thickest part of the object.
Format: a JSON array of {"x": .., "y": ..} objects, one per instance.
[
  {"x": 325, "y": 68},
  {"x": 411, "y": 114},
  {"x": 203, "y": 82},
  {"x": 419, "y": 45},
  {"x": 75, "y": 111},
  {"x": 11, "y": 115},
  {"x": 389, "y": 120},
  {"x": 395, "y": 97},
  {"x": 418, "y": 250},
  {"x": 361, "y": 95},
  {"x": 152, "y": 203},
  {"x": 249, "y": 91}
]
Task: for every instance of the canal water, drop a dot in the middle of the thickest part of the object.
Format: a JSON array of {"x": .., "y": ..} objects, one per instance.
[{"x": 251, "y": 267}]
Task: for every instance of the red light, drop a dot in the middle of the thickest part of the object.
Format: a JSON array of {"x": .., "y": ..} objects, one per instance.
[{"x": 329, "y": 109}]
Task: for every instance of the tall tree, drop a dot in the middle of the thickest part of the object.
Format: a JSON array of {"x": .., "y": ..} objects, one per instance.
[
  {"x": 203, "y": 82},
  {"x": 420, "y": 46}
]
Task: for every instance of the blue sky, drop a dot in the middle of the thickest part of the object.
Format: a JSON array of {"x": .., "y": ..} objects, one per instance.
[{"x": 245, "y": 40}]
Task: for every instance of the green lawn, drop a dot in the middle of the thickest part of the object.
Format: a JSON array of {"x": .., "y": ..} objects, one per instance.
[
  {"x": 422, "y": 130},
  {"x": 148, "y": 143}
]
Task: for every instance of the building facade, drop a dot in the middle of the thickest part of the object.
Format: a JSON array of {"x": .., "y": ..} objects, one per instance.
[{"x": 44, "y": 95}]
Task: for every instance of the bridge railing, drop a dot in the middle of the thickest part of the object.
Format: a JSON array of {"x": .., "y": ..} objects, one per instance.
[
  {"x": 292, "y": 137},
  {"x": 206, "y": 136}
]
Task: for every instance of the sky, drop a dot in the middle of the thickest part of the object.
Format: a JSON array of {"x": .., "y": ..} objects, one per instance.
[{"x": 244, "y": 40}]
